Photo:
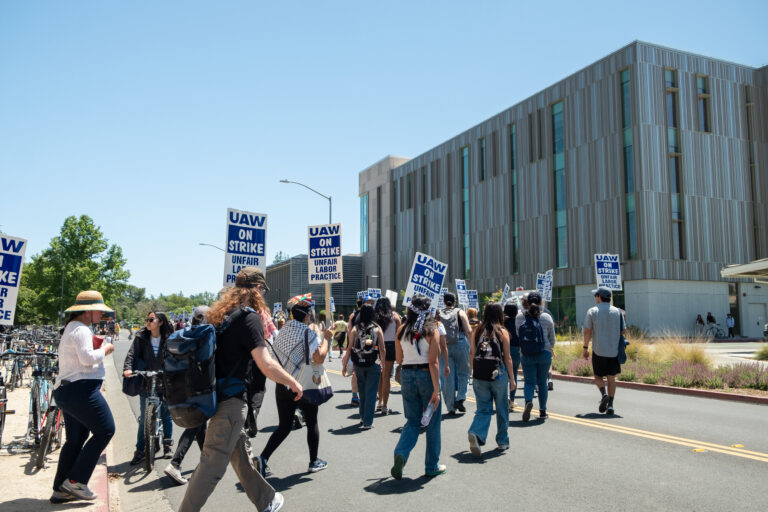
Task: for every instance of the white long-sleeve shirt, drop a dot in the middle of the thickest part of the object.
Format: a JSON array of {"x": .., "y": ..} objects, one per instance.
[{"x": 78, "y": 360}]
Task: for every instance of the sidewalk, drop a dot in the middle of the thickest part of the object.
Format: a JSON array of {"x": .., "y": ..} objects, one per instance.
[{"x": 27, "y": 488}]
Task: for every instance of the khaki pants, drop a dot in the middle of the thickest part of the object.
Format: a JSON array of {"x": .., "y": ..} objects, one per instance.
[{"x": 225, "y": 442}]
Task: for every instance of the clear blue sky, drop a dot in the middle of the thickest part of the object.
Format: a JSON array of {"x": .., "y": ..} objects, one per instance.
[{"x": 155, "y": 117}]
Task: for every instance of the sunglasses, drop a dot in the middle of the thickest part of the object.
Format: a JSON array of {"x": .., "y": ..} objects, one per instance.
[{"x": 150, "y": 320}]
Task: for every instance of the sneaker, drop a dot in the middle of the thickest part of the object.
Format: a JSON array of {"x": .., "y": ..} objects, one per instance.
[
  {"x": 603, "y": 403},
  {"x": 138, "y": 458},
  {"x": 61, "y": 497},
  {"x": 451, "y": 412},
  {"x": 512, "y": 406},
  {"x": 543, "y": 414},
  {"x": 167, "y": 451},
  {"x": 460, "y": 406},
  {"x": 378, "y": 406},
  {"x": 366, "y": 427},
  {"x": 438, "y": 471},
  {"x": 261, "y": 464},
  {"x": 610, "y": 410},
  {"x": 385, "y": 410},
  {"x": 550, "y": 386},
  {"x": 397, "y": 469},
  {"x": 502, "y": 447},
  {"x": 173, "y": 472},
  {"x": 77, "y": 489},
  {"x": 317, "y": 465},
  {"x": 527, "y": 411},
  {"x": 474, "y": 445},
  {"x": 355, "y": 401},
  {"x": 277, "y": 503}
]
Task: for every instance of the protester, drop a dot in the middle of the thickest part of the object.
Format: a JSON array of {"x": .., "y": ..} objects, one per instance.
[
  {"x": 491, "y": 367},
  {"x": 535, "y": 329},
  {"x": 173, "y": 469},
  {"x": 510, "y": 314},
  {"x": 389, "y": 321},
  {"x": 604, "y": 325},
  {"x": 289, "y": 350},
  {"x": 77, "y": 392},
  {"x": 457, "y": 338},
  {"x": 225, "y": 439},
  {"x": 340, "y": 333},
  {"x": 355, "y": 402},
  {"x": 366, "y": 347},
  {"x": 417, "y": 352},
  {"x": 473, "y": 320},
  {"x": 146, "y": 353}
]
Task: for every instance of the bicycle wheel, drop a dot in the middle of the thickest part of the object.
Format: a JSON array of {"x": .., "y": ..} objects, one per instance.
[
  {"x": 33, "y": 431},
  {"x": 45, "y": 439},
  {"x": 59, "y": 428},
  {"x": 12, "y": 380},
  {"x": 150, "y": 424},
  {"x": 3, "y": 407}
]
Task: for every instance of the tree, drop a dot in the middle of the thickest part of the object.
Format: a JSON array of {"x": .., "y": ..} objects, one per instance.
[
  {"x": 281, "y": 256},
  {"x": 80, "y": 258}
]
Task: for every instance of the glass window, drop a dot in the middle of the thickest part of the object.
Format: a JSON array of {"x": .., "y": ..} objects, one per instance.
[
  {"x": 512, "y": 148},
  {"x": 364, "y": 223},
  {"x": 674, "y": 146},
  {"x": 482, "y": 159},
  {"x": 670, "y": 78},
  {"x": 465, "y": 207},
  {"x": 672, "y": 109},
  {"x": 629, "y": 170},
  {"x": 702, "y": 85},
  {"x": 703, "y": 114},
  {"x": 557, "y": 127}
]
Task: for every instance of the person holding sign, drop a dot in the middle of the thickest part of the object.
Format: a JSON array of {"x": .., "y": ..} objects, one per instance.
[
  {"x": 366, "y": 347},
  {"x": 457, "y": 335},
  {"x": 417, "y": 352}
]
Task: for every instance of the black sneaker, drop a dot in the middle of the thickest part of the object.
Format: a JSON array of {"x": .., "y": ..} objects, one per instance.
[
  {"x": 603, "y": 403},
  {"x": 62, "y": 497},
  {"x": 355, "y": 401},
  {"x": 543, "y": 414},
  {"x": 138, "y": 458},
  {"x": 167, "y": 450},
  {"x": 527, "y": 411},
  {"x": 460, "y": 406},
  {"x": 610, "y": 410}
]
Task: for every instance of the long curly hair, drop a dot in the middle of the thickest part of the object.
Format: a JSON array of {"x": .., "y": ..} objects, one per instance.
[
  {"x": 233, "y": 298},
  {"x": 493, "y": 322}
]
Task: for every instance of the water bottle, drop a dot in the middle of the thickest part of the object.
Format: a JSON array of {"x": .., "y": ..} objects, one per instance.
[{"x": 427, "y": 416}]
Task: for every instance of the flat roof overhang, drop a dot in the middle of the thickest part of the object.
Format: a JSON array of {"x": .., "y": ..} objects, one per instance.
[{"x": 756, "y": 270}]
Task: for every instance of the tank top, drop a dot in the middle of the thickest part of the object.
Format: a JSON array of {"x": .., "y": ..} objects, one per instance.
[
  {"x": 410, "y": 355},
  {"x": 390, "y": 331}
]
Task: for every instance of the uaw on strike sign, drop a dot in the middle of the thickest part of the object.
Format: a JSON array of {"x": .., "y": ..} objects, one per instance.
[
  {"x": 11, "y": 259},
  {"x": 427, "y": 276},
  {"x": 246, "y": 243},
  {"x": 324, "y": 260}
]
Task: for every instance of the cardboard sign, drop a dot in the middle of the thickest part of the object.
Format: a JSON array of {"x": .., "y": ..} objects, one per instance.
[
  {"x": 427, "y": 276},
  {"x": 504, "y": 295},
  {"x": 361, "y": 295},
  {"x": 544, "y": 285},
  {"x": 440, "y": 302},
  {"x": 277, "y": 307},
  {"x": 246, "y": 243},
  {"x": 333, "y": 305},
  {"x": 473, "y": 300},
  {"x": 461, "y": 292},
  {"x": 12, "y": 251},
  {"x": 608, "y": 271},
  {"x": 375, "y": 293},
  {"x": 324, "y": 256},
  {"x": 392, "y": 296}
]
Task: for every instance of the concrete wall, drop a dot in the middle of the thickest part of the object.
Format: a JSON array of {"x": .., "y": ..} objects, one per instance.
[{"x": 753, "y": 309}]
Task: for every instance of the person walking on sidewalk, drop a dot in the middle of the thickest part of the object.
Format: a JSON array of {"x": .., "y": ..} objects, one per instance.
[
  {"x": 536, "y": 332},
  {"x": 730, "y": 323},
  {"x": 604, "y": 325},
  {"x": 457, "y": 335},
  {"x": 224, "y": 440},
  {"x": 417, "y": 351},
  {"x": 77, "y": 392},
  {"x": 389, "y": 321},
  {"x": 491, "y": 367},
  {"x": 510, "y": 314},
  {"x": 146, "y": 353}
]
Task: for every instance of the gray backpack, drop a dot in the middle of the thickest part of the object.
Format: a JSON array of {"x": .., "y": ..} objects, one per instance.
[{"x": 452, "y": 324}]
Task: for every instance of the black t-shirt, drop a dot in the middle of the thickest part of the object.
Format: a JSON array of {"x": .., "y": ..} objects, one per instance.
[
  {"x": 234, "y": 346},
  {"x": 509, "y": 323}
]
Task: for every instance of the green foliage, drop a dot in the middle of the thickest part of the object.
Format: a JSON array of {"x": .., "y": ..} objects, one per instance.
[
  {"x": 762, "y": 354},
  {"x": 80, "y": 258},
  {"x": 628, "y": 375},
  {"x": 280, "y": 256}
]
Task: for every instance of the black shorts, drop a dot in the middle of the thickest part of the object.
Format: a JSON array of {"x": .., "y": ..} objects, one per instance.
[
  {"x": 390, "y": 346},
  {"x": 604, "y": 366}
]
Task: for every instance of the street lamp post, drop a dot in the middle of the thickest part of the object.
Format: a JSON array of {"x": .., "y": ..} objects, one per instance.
[
  {"x": 328, "y": 317},
  {"x": 214, "y": 246}
]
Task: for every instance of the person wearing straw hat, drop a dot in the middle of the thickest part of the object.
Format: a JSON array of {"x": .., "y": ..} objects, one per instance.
[{"x": 77, "y": 392}]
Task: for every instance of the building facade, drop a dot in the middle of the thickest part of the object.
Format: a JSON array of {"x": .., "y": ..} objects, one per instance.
[{"x": 651, "y": 153}]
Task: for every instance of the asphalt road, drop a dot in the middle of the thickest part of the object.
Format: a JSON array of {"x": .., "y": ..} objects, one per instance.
[{"x": 659, "y": 452}]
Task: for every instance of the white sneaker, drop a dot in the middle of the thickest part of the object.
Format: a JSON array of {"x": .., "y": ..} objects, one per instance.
[
  {"x": 77, "y": 489},
  {"x": 173, "y": 472},
  {"x": 474, "y": 445},
  {"x": 277, "y": 503}
]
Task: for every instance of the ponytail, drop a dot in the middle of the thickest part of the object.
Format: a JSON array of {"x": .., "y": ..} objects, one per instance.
[{"x": 534, "y": 310}]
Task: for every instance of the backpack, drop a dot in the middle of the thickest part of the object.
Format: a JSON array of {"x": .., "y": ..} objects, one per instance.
[
  {"x": 487, "y": 359},
  {"x": 452, "y": 324},
  {"x": 531, "y": 336},
  {"x": 192, "y": 390},
  {"x": 364, "y": 354}
]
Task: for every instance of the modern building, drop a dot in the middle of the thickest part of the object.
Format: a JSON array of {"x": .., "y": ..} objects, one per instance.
[
  {"x": 291, "y": 277},
  {"x": 655, "y": 154}
]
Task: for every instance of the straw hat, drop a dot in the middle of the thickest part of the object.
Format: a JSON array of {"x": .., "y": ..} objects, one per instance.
[{"x": 90, "y": 300}]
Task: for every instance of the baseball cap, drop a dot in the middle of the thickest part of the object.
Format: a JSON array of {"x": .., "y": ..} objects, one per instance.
[
  {"x": 603, "y": 291},
  {"x": 250, "y": 277}
]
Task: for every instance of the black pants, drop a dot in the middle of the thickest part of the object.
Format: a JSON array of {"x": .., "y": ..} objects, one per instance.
[
  {"x": 185, "y": 442},
  {"x": 255, "y": 399},
  {"x": 286, "y": 407}
]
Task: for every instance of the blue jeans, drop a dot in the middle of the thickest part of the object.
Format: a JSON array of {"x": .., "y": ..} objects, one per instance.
[
  {"x": 86, "y": 412},
  {"x": 367, "y": 385},
  {"x": 535, "y": 372},
  {"x": 165, "y": 417},
  {"x": 416, "y": 392},
  {"x": 514, "y": 352},
  {"x": 455, "y": 386},
  {"x": 489, "y": 393}
]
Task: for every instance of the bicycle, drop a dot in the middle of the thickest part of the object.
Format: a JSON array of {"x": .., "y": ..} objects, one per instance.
[
  {"x": 3, "y": 404},
  {"x": 52, "y": 432},
  {"x": 153, "y": 427},
  {"x": 714, "y": 331},
  {"x": 40, "y": 395}
]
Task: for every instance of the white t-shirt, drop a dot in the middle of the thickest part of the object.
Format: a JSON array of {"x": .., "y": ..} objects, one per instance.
[
  {"x": 78, "y": 360},
  {"x": 155, "y": 344}
]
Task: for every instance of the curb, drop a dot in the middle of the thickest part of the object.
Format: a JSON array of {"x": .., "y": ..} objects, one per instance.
[
  {"x": 701, "y": 393},
  {"x": 100, "y": 485}
]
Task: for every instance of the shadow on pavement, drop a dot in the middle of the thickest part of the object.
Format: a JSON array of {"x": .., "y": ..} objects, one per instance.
[
  {"x": 468, "y": 458},
  {"x": 283, "y": 484},
  {"x": 388, "y": 486},
  {"x": 525, "y": 424},
  {"x": 597, "y": 416},
  {"x": 345, "y": 431},
  {"x": 156, "y": 484},
  {"x": 43, "y": 504},
  {"x": 454, "y": 416}
]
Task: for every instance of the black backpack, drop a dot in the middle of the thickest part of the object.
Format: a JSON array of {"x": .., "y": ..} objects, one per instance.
[
  {"x": 487, "y": 359},
  {"x": 452, "y": 323},
  {"x": 531, "y": 336},
  {"x": 365, "y": 349}
]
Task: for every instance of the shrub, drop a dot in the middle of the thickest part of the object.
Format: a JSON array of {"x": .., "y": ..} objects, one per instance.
[
  {"x": 628, "y": 375},
  {"x": 762, "y": 354},
  {"x": 651, "y": 378},
  {"x": 745, "y": 375},
  {"x": 581, "y": 367},
  {"x": 686, "y": 374}
]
